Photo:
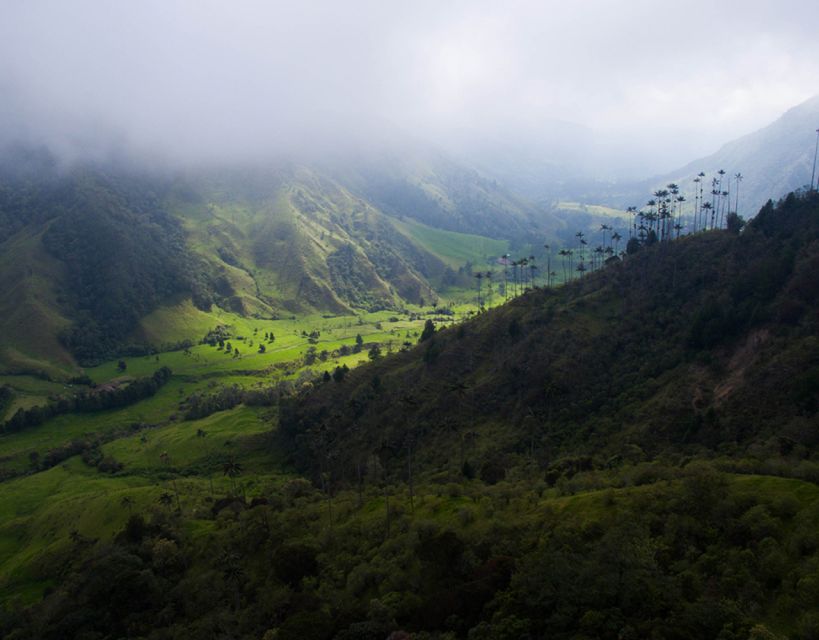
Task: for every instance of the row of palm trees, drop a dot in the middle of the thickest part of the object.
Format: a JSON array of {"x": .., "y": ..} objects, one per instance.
[{"x": 664, "y": 217}]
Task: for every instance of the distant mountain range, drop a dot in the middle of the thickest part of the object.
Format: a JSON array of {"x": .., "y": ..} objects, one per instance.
[{"x": 773, "y": 161}]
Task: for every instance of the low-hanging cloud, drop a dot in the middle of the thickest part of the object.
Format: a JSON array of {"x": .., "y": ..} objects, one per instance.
[{"x": 203, "y": 79}]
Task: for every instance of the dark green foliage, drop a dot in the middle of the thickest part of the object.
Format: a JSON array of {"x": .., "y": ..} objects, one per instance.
[
  {"x": 591, "y": 513},
  {"x": 6, "y": 396},
  {"x": 698, "y": 556},
  {"x": 682, "y": 347},
  {"x": 98, "y": 399},
  {"x": 428, "y": 332},
  {"x": 123, "y": 254}
]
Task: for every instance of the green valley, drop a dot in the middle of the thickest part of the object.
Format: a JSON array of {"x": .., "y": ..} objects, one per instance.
[{"x": 328, "y": 475}]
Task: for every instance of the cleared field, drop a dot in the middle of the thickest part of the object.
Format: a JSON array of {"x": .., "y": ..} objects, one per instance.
[{"x": 455, "y": 249}]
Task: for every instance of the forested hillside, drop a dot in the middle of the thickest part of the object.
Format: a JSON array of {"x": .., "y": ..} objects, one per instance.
[
  {"x": 631, "y": 455},
  {"x": 92, "y": 252},
  {"x": 89, "y": 251},
  {"x": 704, "y": 344}
]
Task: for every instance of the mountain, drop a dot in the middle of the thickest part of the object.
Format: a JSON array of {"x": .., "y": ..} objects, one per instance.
[
  {"x": 631, "y": 455},
  {"x": 773, "y": 161},
  {"x": 706, "y": 344},
  {"x": 92, "y": 250}
]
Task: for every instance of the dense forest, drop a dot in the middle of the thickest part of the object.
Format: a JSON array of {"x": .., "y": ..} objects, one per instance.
[
  {"x": 594, "y": 461},
  {"x": 682, "y": 347},
  {"x": 122, "y": 252}
]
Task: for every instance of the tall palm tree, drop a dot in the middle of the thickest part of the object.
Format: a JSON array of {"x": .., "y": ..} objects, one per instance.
[
  {"x": 603, "y": 229},
  {"x": 548, "y": 265},
  {"x": 738, "y": 177},
  {"x": 616, "y": 237},
  {"x": 671, "y": 197},
  {"x": 506, "y": 275},
  {"x": 650, "y": 216},
  {"x": 532, "y": 269},
  {"x": 598, "y": 254},
  {"x": 564, "y": 254},
  {"x": 523, "y": 263},
  {"x": 633, "y": 224},
  {"x": 232, "y": 470},
  {"x": 488, "y": 277},
  {"x": 165, "y": 499},
  {"x": 166, "y": 460},
  {"x": 680, "y": 202},
  {"x": 234, "y": 575},
  {"x": 720, "y": 195},
  {"x": 479, "y": 278},
  {"x": 706, "y": 209}
]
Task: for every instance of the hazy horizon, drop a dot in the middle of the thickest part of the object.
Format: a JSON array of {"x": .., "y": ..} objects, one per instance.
[{"x": 196, "y": 81}]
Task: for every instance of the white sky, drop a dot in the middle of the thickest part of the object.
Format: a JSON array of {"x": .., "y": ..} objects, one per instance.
[{"x": 231, "y": 76}]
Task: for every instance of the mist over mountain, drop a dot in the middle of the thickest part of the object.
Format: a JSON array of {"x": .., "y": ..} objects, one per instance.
[{"x": 773, "y": 161}]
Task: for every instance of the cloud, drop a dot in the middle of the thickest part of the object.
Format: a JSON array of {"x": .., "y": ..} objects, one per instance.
[{"x": 204, "y": 78}]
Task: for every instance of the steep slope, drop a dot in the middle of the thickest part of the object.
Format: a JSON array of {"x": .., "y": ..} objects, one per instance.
[
  {"x": 773, "y": 161},
  {"x": 708, "y": 343},
  {"x": 93, "y": 250},
  {"x": 427, "y": 185},
  {"x": 90, "y": 253},
  {"x": 290, "y": 240}
]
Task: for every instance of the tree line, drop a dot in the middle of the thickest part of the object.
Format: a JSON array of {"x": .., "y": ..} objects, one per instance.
[{"x": 89, "y": 401}]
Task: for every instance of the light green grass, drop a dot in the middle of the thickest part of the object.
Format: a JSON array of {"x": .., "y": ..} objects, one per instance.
[
  {"x": 593, "y": 209},
  {"x": 454, "y": 249}
]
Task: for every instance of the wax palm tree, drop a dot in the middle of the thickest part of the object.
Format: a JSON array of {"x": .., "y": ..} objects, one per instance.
[
  {"x": 532, "y": 269},
  {"x": 615, "y": 238},
  {"x": 233, "y": 574},
  {"x": 165, "y": 499},
  {"x": 548, "y": 265},
  {"x": 603, "y": 229},
  {"x": 720, "y": 197},
  {"x": 715, "y": 191},
  {"x": 706, "y": 210},
  {"x": 632, "y": 230},
  {"x": 726, "y": 203},
  {"x": 166, "y": 460},
  {"x": 738, "y": 177},
  {"x": 479, "y": 278},
  {"x": 488, "y": 277},
  {"x": 650, "y": 216},
  {"x": 564, "y": 254},
  {"x": 505, "y": 261},
  {"x": 232, "y": 470},
  {"x": 523, "y": 263},
  {"x": 598, "y": 254}
]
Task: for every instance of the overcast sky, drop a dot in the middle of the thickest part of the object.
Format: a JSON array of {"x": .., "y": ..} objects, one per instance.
[{"x": 228, "y": 77}]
